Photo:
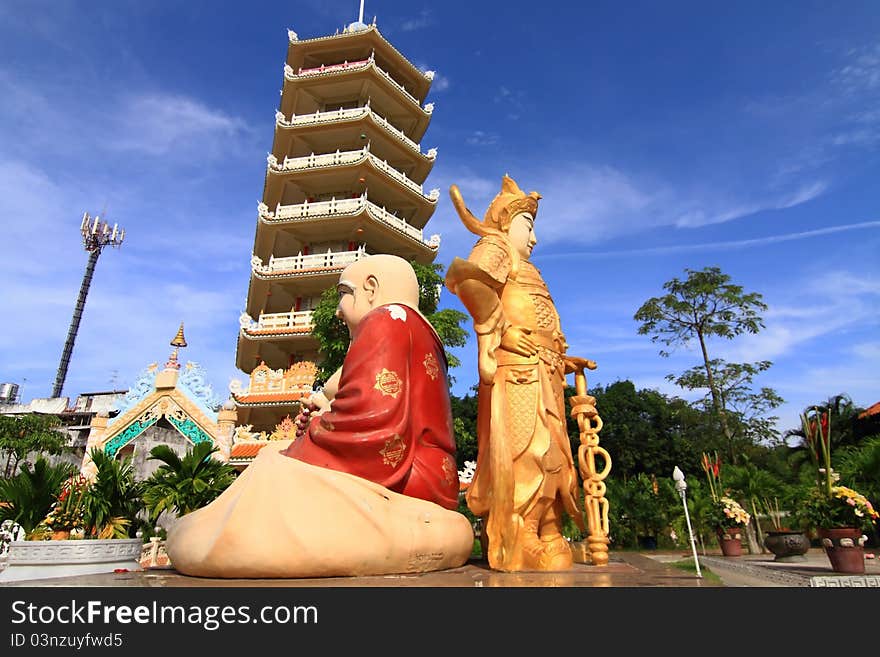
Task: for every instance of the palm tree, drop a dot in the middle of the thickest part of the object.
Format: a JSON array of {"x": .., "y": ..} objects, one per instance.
[
  {"x": 181, "y": 485},
  {"x": 113, "y": 500},
  {"x": 754, "y": 484},
  {"x": 842, "y": 418},
  {"x": 859, "y": 467},
  {"x": 27, "y": 497}
]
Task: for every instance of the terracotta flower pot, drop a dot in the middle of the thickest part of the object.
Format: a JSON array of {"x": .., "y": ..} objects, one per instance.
[
  {"x": 730, "y": 539},
  {"x": 844, "y": 549}
]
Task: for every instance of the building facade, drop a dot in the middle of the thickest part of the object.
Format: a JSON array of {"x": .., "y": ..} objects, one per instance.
[{"x": 345, "y": 179}]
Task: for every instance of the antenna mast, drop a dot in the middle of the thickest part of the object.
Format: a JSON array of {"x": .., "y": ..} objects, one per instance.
[{"x": 96, "y": 235}]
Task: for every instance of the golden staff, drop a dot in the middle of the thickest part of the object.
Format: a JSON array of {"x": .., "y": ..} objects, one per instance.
[{"x": 583, "y": 409}]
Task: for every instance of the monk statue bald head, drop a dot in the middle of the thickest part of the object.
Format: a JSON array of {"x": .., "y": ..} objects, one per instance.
[{"x": 372, "y": 282}]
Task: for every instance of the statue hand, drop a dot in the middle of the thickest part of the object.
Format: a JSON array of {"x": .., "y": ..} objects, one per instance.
[
  {"x": 308, "y": 410},
  {"x": 575, "y": 364},
  {"x": 517, "y": 340}
]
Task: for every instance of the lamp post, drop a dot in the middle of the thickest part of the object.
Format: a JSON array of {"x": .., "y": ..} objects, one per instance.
[
  {"x": 96, "y": 235},
  {"x": 681, "y": 487}
]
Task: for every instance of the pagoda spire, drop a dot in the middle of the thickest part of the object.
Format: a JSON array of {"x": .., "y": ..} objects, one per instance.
[{"x": 179, "y": 340}]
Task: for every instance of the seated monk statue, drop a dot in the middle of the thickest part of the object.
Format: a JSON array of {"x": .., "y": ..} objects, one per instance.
[{"x": 370, "y": 484}]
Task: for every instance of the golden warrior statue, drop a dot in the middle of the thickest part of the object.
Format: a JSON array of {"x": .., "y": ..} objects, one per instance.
[{"x": 525, "y": 476}]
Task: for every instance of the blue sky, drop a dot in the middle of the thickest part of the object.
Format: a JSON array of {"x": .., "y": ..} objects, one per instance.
[{"x": 662, "y": 136}]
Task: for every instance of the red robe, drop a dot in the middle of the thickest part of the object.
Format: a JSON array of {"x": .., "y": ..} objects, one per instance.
[{"x": 391, "y": 419}]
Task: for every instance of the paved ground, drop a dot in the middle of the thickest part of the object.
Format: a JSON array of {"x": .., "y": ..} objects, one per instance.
[
  {"x": 762, "y": 571},
  {"x": 625, "y": 569}
]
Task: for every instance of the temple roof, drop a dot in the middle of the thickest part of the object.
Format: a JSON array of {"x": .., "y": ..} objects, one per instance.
[
  {"x": 419, "y": 79},
  {"x": 871, "y": 410},
  {"x": 247, "y": 450}
]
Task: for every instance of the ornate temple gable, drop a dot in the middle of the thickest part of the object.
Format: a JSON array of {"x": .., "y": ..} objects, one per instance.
[
  {"x": 193, "y": 379},
  {"x": 183, "y": 413},
  {"x": 297, "y": 48},
  {"x": 268, "y": 385},
  {"x": 181, "y": 396},
  {"x": 143, "y": 386}
]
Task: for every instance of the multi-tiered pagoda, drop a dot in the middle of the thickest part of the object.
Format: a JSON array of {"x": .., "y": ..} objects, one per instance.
[{"x": 344, "y": 180}]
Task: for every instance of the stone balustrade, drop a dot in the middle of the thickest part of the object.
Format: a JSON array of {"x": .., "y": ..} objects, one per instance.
[
  {"x": 344, "y": 67},
  {"x": 352, "y": 113},
  {"x": 349, "y": 206},
  {"x": 277, "y": 322},
  {"x": 292, "y": 264},
  {"x": 338, "y": 158}
]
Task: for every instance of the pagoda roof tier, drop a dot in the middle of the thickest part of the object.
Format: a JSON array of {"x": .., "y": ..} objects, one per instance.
[
  {"x": 355, "y": 45},
  {"x": 294, "y": 179},
  {"x": 305, "y": 92},
  {"x": 272, "y": 347},
  {"x": 346, "y": 129},
  {"x": 270, "y": 399},
  {"x": 358, "y": 220}
]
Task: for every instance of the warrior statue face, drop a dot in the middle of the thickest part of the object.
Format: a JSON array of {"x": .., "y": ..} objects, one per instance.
[{"x": 522, "y": 234}]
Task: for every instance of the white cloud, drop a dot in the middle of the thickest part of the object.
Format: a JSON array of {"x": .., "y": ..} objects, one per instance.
[
  {"x": 422, "y": 20},
  {"x": 591, "y": 203},
  {"x": 441, "y": 83},
  {"x": 157, "y": 124},
  {"x": 721, "y": 246},
  {"x": 480, "y": 138},
  {"x": 861, "y": 73}
]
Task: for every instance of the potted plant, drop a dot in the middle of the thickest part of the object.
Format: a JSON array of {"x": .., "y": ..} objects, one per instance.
[
  {"x": 786, "y": 543},
  {"x": 725, "y": 514},
  {"x": 87, "y": 528},
  {"x": 67, "y": 513},
  {"x": 840, "y": 514}
]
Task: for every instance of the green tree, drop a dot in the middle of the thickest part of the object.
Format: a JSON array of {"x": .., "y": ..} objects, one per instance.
[
  {"x": 22, "y": 435},
  {"x": 859, "y": 467},
  {"x": 644, "y": 430},
  {"x": 181, "y": 485},
  {"x": 447, "y": 321},
  {"x": 464, "y": 412},
  {"x": 113, "y": 500},
  {"x": 843, "y": 416},
  {"x": 705, "y": 305},
  {"x": 332, "y": 334},
  {"x": 746, "y": 409},
  {"x": 27, "y": 497}
]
